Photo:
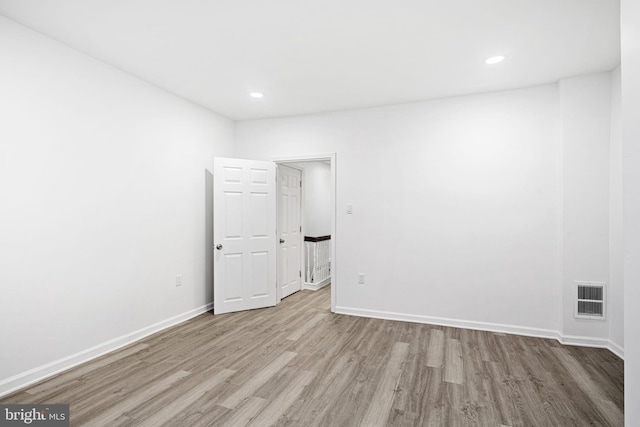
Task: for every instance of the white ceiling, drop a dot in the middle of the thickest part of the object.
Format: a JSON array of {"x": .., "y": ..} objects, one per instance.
[{"x": 314, "y": 56}]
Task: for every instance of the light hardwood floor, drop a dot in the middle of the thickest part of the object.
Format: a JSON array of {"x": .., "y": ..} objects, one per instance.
[{"x": 298, "y": 364}]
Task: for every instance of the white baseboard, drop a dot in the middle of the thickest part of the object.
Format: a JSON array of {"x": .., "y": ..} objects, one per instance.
[
  {"x": 592, "y": 342},
  {"x": 454, "y": 323},
  {"x": 583, "y": 341},
  {"x": 616, "y": 349},
  {"x": 24, "y": 379},
  {"x": 316, "y": 286},
  {"x": 490, "y": 327}
]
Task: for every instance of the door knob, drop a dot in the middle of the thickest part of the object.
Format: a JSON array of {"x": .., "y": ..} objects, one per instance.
[
  {"x": 219, "y": 247},
  {"x": 281, "y": 240}
]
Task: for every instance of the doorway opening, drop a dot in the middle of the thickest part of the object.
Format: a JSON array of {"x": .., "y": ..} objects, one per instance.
[{"x": 317, "y": 251}]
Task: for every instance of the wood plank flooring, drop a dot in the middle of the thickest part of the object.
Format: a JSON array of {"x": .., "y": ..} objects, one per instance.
[{"x": 298, "y": 364}]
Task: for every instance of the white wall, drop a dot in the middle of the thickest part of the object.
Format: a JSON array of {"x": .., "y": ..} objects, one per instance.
[
  {"x": 102, "y": 192},
  {"x": 616, "y": 231},
  {"x": 586, "y": 134},
  {"x": 630, "y": 24},
  {"x": 455, "y": 205},
  {"x": 317, "y": 199}
]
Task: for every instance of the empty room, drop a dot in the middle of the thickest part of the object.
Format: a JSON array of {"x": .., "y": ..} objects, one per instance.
[{"x": 337, "y": 213}]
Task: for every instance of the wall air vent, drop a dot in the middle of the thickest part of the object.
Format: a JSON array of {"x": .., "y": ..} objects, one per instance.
[{"x": 590, "y": 300}]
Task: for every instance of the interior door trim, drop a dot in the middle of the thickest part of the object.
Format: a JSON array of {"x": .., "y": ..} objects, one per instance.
[{"x": 332, "y": 158}]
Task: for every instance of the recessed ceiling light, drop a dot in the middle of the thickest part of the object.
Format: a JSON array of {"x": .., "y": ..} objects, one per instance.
[
  {"x": 494, "y": 59},
  {"x": 256, "y": 95}
]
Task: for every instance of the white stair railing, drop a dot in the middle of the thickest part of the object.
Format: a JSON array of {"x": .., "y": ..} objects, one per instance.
[{"x": 318, "y": 261}]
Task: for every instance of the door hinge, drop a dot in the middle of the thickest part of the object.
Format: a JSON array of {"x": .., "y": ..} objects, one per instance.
[
  {"x": 300, "y": 273},
  {"x": 300, "y": 184},
  {"x": 301, "y": 229}
]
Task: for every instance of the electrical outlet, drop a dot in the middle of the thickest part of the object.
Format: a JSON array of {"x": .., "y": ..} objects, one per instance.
[
  {"x": 361, "y": 278},
  {"x": 178, "y": 279}
]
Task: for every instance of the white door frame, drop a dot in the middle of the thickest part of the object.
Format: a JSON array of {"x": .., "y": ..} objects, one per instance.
[{"x": 331, "y": 157}]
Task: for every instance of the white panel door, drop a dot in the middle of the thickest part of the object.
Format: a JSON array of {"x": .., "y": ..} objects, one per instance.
[
  {"x": 244, "y": 235},
  {"x": 289, "y": 231}
]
